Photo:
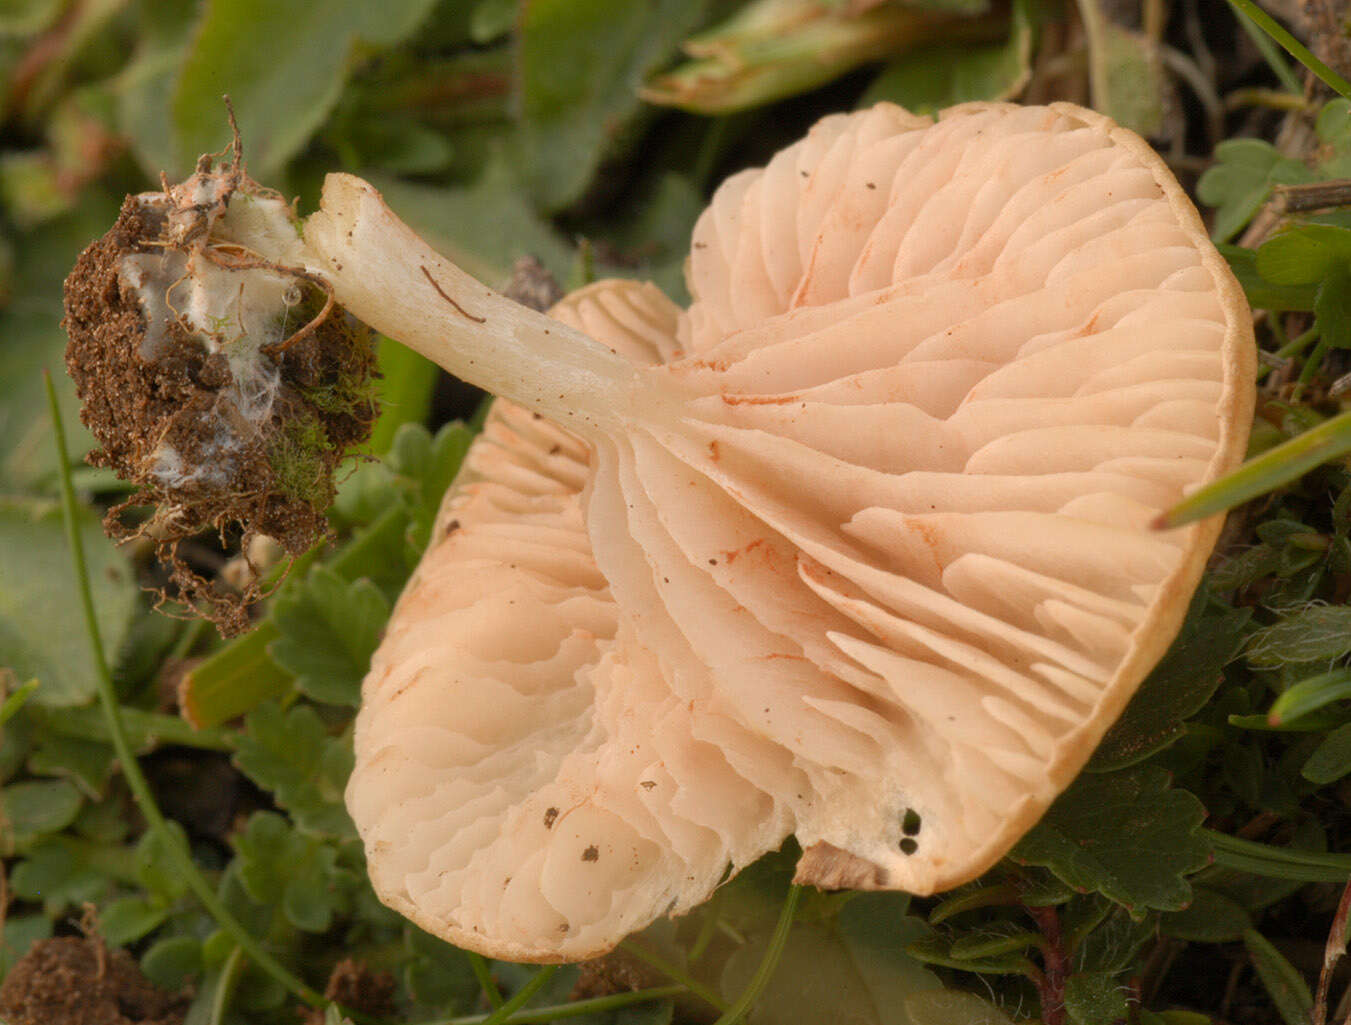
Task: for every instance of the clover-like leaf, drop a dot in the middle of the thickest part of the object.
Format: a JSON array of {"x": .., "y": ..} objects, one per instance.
[
  {"x": 33, "y": 809},
  {"x": 1241, "y": 180},
  {"x": 281, "y": 867},
  {"x": 1334, "y": 132},
  {"x": 328, "y": 630},
  {"x": 59, "y": 874},
  {"x": 1095, "y": 997},
  {"x": 291, "y": 755},
  {"x": 1304, "y": 255},
  {"x": 1176, "y": 690},
  {"x": 1126, "y": 835}
]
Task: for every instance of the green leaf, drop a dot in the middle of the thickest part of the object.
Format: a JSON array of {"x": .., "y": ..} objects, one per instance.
[
  {"x": 1286, "y": 987},
  {"x": 1292, "y": 863},
  {"x": 875, "y": 929},
  {"x": 1210, "y": 918},
  {"x": 435, "y": 973},
  {"x": 26, "y": 18},
  {"x": 1320, "y": 633},
  {"x": 128, "y": 919},
  {"x": 1176, "y": 689},
  {"x": 484, "y": 226},
  {"x": 934, "y": 77},
  {"x": 1304, "y": 254},
  {"x": 30, "y": 324},
  {"x": 1331, "y": 759},
  {"x": 580, "y": 63},
  {"x": 327, "y": 632},
  {"x": 1309, "y": 696},
  {"x": 59, "y": 874},
  {"x": 19, "y": 933},
  {"x": 39, "y": 596},
  {"x": 291, "y": 755},
  {"x": 1334, "y": 132},
  {"x": 491, "y": 20},
  {"x": 952, "y": 1007},
  {"x": 407, "y": 380},
  {"x": 33, "y": 809},
  {"x": 170, "y": 962},
  {"x": 938, "y": 949},
  {"x": 1332, "y": 307},
  {"x": 1124, "y": 834},
  {"x": 772, "y": 49},
  {"x": 233, "y": 679},
  {"x": 1094, "y": 998},
  {"x": 1241, "y": 180},
  {"x": 156, "y": 867},
  {"x": 870, "y": 974},
  {"x": 1114, "y": 945},
  {"x": 144, "y": 88},
  {"x": 281, "y": 867},
  {"x": 1261, "y": 293},
  {"x": 1125, "y": 72},
  {"x": 993, "y": 941},
  {"x": 283, "y": 62},
  {"x": 86, "y": 763}
]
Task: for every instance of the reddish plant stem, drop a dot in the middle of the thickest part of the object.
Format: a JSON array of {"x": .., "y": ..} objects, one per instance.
[
  {"x": 1055, "y": 959},
  {"x": 1332, "y": 953}
]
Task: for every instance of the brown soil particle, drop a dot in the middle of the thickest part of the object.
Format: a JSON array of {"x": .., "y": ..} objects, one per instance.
[
  {"x": 355, "y": 987},
  {"x": 73, "y": 981},
  {"x": 238, "y": 478}
]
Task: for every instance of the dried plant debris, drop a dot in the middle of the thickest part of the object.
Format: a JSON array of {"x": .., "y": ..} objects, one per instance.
[{"x": 218, "y": 375}]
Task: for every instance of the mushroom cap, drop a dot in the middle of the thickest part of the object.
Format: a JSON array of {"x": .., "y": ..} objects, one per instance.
[{"x": 883, "y": 581}]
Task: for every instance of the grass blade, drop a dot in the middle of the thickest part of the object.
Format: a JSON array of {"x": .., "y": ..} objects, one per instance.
[
  {"x": 522, "y": 997},
  {"x": 1309, "y": 696},
  {"x": 1293, "y": 46},
  {"x": 1286, "y": 987},
  {"x": 576, "y": 1009},
  {"x": 1269, "y": 471},
  {"x": 15, "y": 701},
  {"x": 1261, "y": 859}
]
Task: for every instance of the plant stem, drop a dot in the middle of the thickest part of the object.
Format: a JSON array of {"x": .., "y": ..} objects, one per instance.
[
  {"x": 479, "y": 964},
  {"x": 768, "y": 963},
  {"x": 675, "y": 974},
  {"x": 131, "y": 769},
  {"x": 1051, "y": 987},
  {"x": 225, "y": 985},
  {"x": 522, "y": 997},
  {"x": 576, "y": 1009}
]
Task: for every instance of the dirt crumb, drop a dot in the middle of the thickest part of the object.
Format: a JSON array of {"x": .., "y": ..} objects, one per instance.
[
  {"x": 172, "y": 418},
  {"x": 72, "y": 981},
  {"x": 353, "y": 985}
]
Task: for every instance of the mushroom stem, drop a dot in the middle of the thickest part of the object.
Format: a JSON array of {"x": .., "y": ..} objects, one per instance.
[{"x": 388, "y": 277}]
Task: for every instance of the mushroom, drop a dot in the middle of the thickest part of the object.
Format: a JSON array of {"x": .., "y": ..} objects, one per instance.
[{"x": 856, "y": 548}]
